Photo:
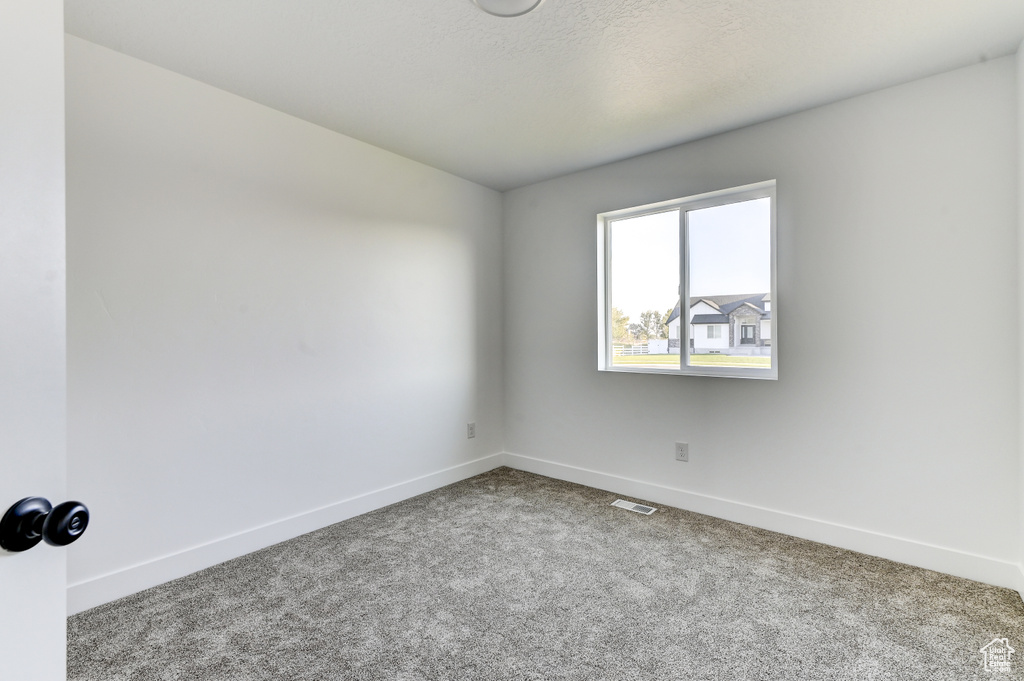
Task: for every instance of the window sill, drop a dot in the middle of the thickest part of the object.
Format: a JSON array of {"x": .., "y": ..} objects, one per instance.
[{"x": 716, "y": 372}]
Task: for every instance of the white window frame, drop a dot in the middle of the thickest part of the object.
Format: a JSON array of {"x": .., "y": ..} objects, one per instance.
[
  {"x": 714, "y": 331},
  {"x": 684, "y": 205}
]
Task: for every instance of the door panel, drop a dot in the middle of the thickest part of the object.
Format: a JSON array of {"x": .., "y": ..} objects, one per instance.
[{"x": 32, "y": 355}]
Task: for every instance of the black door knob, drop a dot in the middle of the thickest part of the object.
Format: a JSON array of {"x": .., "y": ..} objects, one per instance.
[
  {"x": 33, "y": 519},
  {"x": 65, "y": 523}
]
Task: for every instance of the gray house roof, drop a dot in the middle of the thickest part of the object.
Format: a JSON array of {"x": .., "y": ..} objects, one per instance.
[
  {"x": 710, "y": 319},
  {"x": 674, "y": 315},
  {"x": 726, "y": 304}
]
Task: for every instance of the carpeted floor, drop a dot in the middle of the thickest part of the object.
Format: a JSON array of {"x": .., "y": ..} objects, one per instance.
[{"x": 510, "y": 575}]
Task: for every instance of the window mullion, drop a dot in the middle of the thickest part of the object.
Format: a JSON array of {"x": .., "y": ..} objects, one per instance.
[{"x": 684, "y": 289}]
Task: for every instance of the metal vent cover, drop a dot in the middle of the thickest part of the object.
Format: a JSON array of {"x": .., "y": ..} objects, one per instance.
[{"x": 630, "y": 506}]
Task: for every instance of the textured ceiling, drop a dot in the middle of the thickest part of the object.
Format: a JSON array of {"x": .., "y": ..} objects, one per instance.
[{"x": 508, "y": 102}]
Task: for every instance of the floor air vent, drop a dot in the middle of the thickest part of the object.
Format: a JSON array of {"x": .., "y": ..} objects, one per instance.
[{"x": 630, "y": 506}]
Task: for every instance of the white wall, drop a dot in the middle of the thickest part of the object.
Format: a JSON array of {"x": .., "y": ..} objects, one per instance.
[
  {"x": 906, "y": 196},
  {"x": 32, "y": 349},
  {"x": 1020, "y": 302},
  {"x": 229, "y": 265},
  {"x": 270, "y": 324}
]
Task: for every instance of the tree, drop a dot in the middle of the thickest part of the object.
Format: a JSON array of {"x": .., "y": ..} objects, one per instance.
[
  {"x": 652, "y": 325},
  {"x": 620, "y": 326}
]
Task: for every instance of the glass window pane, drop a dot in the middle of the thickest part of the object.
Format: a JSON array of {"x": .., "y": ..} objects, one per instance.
[
  {"x": 730, "y": 285},
  {"x": 645, "y": 290}
]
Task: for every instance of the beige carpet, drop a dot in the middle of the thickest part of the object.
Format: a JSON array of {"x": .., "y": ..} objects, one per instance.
[{"x": 510, "y": 575}]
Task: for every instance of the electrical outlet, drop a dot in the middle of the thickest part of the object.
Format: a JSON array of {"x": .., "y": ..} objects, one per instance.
[
  {"x": 682, "y": 451},
  {"x": 470, "y": 430}
]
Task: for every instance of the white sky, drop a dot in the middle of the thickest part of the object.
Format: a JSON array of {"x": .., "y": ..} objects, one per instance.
[{"x": 730, "y": 253}]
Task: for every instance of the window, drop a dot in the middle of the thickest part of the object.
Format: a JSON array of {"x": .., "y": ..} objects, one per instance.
[{"x": 688, "y": 286}]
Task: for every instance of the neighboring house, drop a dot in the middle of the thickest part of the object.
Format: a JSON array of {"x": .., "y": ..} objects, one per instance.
[{"x": 727, "y": 325}]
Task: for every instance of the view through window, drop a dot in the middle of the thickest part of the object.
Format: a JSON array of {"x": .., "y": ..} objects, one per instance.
[
  {"x": 645, "y": 272},
  {"x": 688, "y": 285}
]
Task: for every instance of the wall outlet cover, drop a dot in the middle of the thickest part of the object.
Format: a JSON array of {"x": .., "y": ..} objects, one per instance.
[{"x": 682, "y": 451}]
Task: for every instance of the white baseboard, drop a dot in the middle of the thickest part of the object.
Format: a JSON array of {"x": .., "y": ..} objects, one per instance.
[
  {"x": 950, "y": 561},
  {"x": 92, "y": 592}
]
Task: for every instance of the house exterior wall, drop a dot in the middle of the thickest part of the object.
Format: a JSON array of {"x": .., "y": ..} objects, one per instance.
[
  {"x": 703, "y": 308},
  {"x": 701, "y": 342}
]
